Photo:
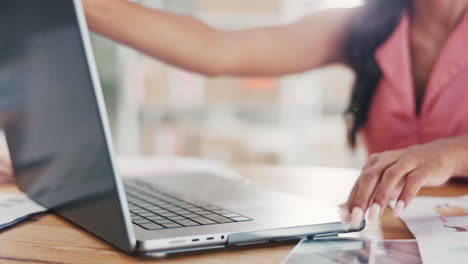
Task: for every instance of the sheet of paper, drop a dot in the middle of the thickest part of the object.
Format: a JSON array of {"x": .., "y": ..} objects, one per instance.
[
  {"x": 354, "y": 251},
  {"x": 15, "y": 208},
  {"x": 440, "y": 226}
]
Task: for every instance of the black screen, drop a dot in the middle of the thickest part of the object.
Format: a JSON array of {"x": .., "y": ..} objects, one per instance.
[{"x": 53, "y": 125}]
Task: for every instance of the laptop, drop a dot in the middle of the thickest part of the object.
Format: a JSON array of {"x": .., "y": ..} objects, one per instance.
[{"x": 57, "y": 130}]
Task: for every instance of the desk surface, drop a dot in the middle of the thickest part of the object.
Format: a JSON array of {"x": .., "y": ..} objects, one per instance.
[{"x": 48, "y": 239}]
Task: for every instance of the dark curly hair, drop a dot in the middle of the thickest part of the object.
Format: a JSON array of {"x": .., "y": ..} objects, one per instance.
[{"x": 368, "y": 32}]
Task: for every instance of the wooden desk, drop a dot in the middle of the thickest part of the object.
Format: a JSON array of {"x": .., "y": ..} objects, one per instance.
[{"x": 48, "y": 239}]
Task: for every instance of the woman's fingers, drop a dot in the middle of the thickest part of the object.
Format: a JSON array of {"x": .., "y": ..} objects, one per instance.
[
  {"x": 414, "y": 183},
  {"x": 397, "y": 191},
  {"x": 364, "y": 189},
  {"x": 368, "y": 181},
  {"x": 392, "y": 176},
  {"x": 375, "y": 210}
]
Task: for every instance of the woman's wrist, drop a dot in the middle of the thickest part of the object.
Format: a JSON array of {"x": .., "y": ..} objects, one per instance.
[{"x": 457, "y": 154}]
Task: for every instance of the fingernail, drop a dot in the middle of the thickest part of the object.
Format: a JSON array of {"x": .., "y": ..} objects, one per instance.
[
  {"x": 356, "y": 217},
  {"x": 374, "y": 213},
  {"x": 344, "y": 215},
  {"x": 400, "y": 205}
]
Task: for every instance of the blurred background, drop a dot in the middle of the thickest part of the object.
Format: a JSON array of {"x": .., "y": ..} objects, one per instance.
[{"x": 297, "y": 120}]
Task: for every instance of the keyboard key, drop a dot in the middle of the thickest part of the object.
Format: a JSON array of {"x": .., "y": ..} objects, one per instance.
[
  {"x": 152, "y": 199},
  {"x": 230, "y": 215},
  {"x": 211, "y": 208},
  {"x": 155, "y": 217},
  {"x": 187, "y": 222},
  {"x": 168, "y": 214},
  {"x": 222, "y": 211},
  {"x": 163, "y": 205},
  {"x": 171, "y": 209},
  {"x": 197, "y": 209},
  {"x": 157, "y": 212},
  {"x": 147, "y": 214},
  {"x": 203, "y": 212},
  {"x": 182, "y": 204},
  {"x": 163, "y": 221},
  {"x": 173, "y": 199},
  {"x": 153, "y": 207},
  {"x": 219, "y": 218},
  {"x": 188, "y": 207},
  {"x": 136, "y": 217},
  {"x": 191, "y": 215},
  {"x": 171, "y": 225},
  {"x": 241, "y": 219},
  {"x": 162, "y": 210},
  {"x": 175, "y": 218},
  {"x": 151, "y": 226},
  {"x": 203, "y": 221},
  {"x": 141, "y": 221},
  {"x": 182, "y": 212}
]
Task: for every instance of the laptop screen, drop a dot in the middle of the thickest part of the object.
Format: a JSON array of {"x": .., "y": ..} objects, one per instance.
[{"x": 51, "y": 113}]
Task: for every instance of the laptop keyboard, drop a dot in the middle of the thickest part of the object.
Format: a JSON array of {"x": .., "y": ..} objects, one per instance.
[{"x": 153, "y": 209}]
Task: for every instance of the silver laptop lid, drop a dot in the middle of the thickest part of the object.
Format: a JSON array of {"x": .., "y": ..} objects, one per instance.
[{"x": 56, "y": 124}]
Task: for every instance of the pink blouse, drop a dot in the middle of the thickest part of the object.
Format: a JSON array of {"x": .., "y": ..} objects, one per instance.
[{"x": 392, "y": 122}]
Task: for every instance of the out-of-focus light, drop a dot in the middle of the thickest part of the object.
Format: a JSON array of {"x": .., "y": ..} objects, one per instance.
[
  {"x": 340, "y": 4},
  {"x": 295, "y": 9}
]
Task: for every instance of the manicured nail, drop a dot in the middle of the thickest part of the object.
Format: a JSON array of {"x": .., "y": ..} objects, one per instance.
[
  {"x": 356, "y": 217},
  {"x": 400, "y": 205},
  {"x": 374, "y": 213},
  {"x": 344, "y": 215}
]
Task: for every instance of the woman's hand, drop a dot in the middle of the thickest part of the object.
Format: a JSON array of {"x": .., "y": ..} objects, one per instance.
[{"x": 400, "y": 174}]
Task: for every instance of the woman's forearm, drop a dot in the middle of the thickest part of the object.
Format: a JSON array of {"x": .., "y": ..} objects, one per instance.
[{"x": 175, "y": 39}]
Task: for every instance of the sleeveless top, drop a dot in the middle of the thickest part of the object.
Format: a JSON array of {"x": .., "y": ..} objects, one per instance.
[{"x": 392, "y": 120}]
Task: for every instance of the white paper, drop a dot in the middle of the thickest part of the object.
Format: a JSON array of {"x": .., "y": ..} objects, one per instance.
[
  {"x": 15, "y": 208},
  {"x": 440, "y": 226}
]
